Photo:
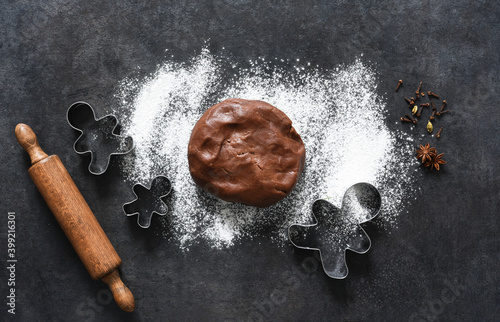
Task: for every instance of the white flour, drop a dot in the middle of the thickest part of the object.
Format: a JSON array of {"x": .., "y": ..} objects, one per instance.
[{"x": 338, "y": 114}]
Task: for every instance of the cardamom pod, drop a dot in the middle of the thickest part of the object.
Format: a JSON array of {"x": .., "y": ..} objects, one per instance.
[{"x": 429, "y": 127}]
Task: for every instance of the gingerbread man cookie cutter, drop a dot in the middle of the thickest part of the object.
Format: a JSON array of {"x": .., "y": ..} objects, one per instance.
[
  {"x": 148, "y": 201},
  {"x": 337, "y": 230},
  {"x": 99, "y": 136}
]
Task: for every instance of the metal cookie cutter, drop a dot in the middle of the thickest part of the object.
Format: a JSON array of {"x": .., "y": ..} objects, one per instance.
[
  {"x": 98, "y": 137},
  {"x": 148, "y": 201},
  {"x": 337, "y": 229}
]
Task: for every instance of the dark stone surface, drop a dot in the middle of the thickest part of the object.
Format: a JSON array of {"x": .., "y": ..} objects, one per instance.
[{"x": 441, "y": 262}]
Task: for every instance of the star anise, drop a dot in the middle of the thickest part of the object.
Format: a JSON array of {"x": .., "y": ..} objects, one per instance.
[
  {"x": 426, "y": 153},
  {"x": 435, "y": 161}
]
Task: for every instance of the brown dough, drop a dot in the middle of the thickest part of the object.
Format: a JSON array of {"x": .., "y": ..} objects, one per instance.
[{"x": 246, "y": 151}]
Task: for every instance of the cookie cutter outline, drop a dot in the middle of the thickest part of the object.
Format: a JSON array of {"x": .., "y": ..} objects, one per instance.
[
  {"x": 138, "y": 197},
  {"x": 336, "y": 274},
  {"x": 70, "y": 118}
]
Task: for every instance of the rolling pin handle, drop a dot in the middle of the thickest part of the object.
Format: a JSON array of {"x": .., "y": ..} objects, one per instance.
[
  {"x": 27, "y": 139},
  {"x": 122, "y": 295}
]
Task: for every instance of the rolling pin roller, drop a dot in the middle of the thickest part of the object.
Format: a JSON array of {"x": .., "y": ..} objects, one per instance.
[{"x": 75, "y": 217}]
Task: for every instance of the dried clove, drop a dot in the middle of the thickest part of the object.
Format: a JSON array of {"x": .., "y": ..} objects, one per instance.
[
  {"x": 434, "y": 108},
  {"x": 399, "y": 84},
  {"x": 417, "y": 92},
  {"x": 432, "y": 94},
  {"x": 425, "y": 105},
  {"x": 404, "y": 119},
  {"x": 442, "y": 112},
  {"x": 438, "y": 134},
  {"x": 407, "y": 100},
  {"x": 444, "y": 105},
  {"x": 432, "y": 115},
  {"x": 411, "y": 119},
  {"x": 420, "y": 110}
]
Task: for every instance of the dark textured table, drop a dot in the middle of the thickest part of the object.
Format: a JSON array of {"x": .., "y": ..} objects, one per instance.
[{"x": 443, "y": 260}]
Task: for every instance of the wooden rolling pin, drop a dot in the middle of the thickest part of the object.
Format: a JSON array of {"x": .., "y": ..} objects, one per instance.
[{"x": 75, "y": 217}]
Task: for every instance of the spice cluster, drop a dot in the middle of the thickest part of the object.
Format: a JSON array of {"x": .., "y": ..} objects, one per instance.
[{"x": 428, "y": 154}]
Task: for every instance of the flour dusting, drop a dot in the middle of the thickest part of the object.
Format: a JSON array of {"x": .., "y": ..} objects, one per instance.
[{"x": 338, "y": 114}]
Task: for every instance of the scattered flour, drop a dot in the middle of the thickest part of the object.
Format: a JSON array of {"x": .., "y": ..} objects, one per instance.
[{"x": 338, "y": 114}]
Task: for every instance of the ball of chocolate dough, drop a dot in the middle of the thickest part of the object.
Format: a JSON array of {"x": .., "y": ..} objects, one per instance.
[{"x": 246, "y": 151}]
